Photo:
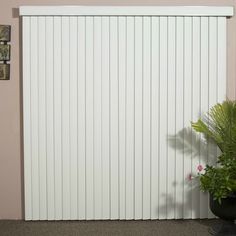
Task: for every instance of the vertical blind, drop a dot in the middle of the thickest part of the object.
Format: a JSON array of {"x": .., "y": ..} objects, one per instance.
[{"x": 109, "y": 93}]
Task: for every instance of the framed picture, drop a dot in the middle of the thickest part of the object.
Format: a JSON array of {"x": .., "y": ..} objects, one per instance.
[
  {"x": 4, "y": 52},
  {"x": 5, "y": 33},
  {"x": 4, "y": 71}
]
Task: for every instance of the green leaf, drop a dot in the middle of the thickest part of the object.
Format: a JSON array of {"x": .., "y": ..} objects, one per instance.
[{"x": 219, "y": 126}]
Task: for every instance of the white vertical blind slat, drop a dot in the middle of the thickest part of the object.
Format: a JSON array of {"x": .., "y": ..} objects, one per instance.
[
  {"x": 66, "y": 151},
  {"x": 42, "y": 120},
  {"x": 34, "y": 116},
  {"x": 97, "y": 120},
  {"x": 122, "y": 113},
  {"x": 171, "y": 117},
  {"x": 155, "y": 47},
  {"x": 163, "y": 119},
  {"x": 81, "y": 88},
  {"x": 204, "y": 104},
  {"x": 138, "y": 121},
  {"x": 130, "y": 119},
  {"x": 105, "y": 118},
  {"x": 58, "y": 115},
  {"x": 146, "y": 159},
  {"x": 73, "y": 116},
  {"x": 187, "y": 115},
  {"x": 179, "y": 201},
  {"x": 50, "y": 118},
  {"x": 114, "y": 125},
  {"x": 212, "y": 151},
  {"x": 89, "y": 156},
  {"x": 195, "y": 113},
  {"x": 27, "y": 118}
]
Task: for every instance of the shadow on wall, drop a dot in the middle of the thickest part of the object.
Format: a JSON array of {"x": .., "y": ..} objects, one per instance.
[
  {"x": 189, "y": 144},
  {"x": 182, "y": 209},
  {"x": 15, "y": 14},
  {"x": 193, "y": 145}
]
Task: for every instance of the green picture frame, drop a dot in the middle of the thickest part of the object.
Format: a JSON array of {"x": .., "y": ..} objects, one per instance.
[
  {"x": 5, "y": 33},
  {"x": 5, "y": 52},
  {"x": 4, "y": 71}
]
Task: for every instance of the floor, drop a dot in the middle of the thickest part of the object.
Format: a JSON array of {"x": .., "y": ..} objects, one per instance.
[{"x": 103, "y": 228}]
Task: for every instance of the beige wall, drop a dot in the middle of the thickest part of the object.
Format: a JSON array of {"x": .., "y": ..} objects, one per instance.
[{"x": 11, "y": 150}]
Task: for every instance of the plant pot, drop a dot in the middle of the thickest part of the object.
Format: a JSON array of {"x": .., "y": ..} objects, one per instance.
[{"x": 226, "y": 210}]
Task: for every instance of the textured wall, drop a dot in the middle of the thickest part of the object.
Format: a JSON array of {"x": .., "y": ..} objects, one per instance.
[{"x": 11, "y": 142}]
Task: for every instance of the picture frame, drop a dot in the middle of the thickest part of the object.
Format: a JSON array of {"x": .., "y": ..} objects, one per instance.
[
  {"x": 5, "y": 33},
  {"x": 5, "y": 52},
  {"x": 4, "y": 71}
]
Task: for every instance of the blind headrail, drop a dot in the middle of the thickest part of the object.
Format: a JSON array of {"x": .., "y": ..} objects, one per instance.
[{"x": 127, "y": 10}]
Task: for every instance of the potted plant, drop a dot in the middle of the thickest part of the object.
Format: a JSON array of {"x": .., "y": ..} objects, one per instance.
[{"x": 219, "y": 180}]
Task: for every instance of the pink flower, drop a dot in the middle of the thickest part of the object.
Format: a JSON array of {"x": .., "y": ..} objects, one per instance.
[
  {"x": 190, "y": 177},
  {"x": 200, "y": 168}
]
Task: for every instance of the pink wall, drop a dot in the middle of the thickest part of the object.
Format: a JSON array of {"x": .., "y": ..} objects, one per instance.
[{"x": 11, "y": 150}]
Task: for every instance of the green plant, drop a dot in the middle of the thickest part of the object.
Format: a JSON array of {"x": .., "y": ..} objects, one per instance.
[{"x": 219, "y": 125}]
